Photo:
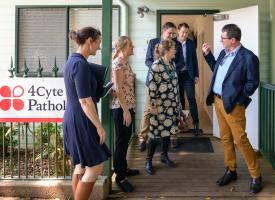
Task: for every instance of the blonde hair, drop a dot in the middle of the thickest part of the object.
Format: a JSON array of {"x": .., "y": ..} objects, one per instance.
[
  {"x": 120, "y": 44},
  {"x": 163, "y": 47}
]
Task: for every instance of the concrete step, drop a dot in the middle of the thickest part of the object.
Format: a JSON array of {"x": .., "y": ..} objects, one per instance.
[{"x": 48, "y": 189}]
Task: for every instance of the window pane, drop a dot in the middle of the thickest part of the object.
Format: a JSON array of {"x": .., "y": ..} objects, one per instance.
[
  {"x": 42, "y": 33},
  {"x": 82, "y": 17}
]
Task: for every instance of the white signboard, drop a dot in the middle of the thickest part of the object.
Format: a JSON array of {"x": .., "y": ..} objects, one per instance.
[{"x": 32, "y": 100}]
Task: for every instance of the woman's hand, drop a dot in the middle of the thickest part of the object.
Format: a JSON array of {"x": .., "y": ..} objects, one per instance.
[
  {"x": 101, "y": 133},
  {"x": 127, "y": 119},
  {"x": 154, "y": 110}
]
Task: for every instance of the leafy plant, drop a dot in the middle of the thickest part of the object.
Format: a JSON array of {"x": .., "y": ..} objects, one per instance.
[
  {"x": 51, "y": 138},
  {"x": 7, "y": 138}
]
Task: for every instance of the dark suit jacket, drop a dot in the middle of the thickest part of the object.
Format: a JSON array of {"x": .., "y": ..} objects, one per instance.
[
  {"x": 191, "y": 59},
  {"x": 179, "y": 60},
  {"x": 241, "y": 80}
]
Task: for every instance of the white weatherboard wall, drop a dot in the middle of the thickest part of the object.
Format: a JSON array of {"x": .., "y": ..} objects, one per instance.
[{"x": 7, "y": 25}]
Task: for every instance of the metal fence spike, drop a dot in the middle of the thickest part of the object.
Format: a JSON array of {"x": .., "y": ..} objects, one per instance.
[
  {"x": 26, "y": 69},
  {"x": 55, "y": 69},
  {"x": 11, "y": 69},
  {"x": 39, "y": 68}
]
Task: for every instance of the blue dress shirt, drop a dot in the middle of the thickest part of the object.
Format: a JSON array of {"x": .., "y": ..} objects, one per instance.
[{"x": 223, "y": 68}]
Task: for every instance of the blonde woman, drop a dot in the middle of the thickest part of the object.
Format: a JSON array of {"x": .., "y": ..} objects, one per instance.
[
  {"x": 165, "y": 103},
  {"x": 123, "y": 108}
]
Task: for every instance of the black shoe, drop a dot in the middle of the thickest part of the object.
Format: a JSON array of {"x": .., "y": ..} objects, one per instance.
[
  {"x": 165, "y": 160},
  {"x": 256, "y": 185},
  {"x": 196, "y": 130},
  {"x": 107, "y": 88},
  {"x": 142, "y": 146},
  {"x": 125, "y": 186},
  {"x": 227, "y": 177},
  {"x": 149, "y": 166},
  {"x": 132, "y": 172}
]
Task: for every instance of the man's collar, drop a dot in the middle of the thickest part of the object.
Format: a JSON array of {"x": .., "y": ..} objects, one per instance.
[
  {"x": 180, "y": 41},
  {"x": 234, "y": 52}
]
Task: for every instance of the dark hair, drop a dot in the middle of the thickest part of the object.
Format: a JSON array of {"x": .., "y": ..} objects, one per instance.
[
  {"x": 81, "y": 35},
  {"x": 168, "y": 25},
  {"x": 163, "y": 47},
  {"x": 183, "y": 25},
  {"x": 233, "y": 31}
]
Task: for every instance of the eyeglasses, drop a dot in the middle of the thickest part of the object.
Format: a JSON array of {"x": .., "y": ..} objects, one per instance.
[{"x": 225, "y": 38}]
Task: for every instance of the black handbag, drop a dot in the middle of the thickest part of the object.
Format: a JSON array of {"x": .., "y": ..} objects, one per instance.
[{"x": 100, "y": 73}]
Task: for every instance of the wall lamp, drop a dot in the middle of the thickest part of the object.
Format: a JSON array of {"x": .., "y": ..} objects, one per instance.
[{"x": 141, "y": 10}]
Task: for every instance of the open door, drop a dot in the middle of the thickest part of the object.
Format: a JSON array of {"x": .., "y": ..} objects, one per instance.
[{"x": 247, "y": 20}]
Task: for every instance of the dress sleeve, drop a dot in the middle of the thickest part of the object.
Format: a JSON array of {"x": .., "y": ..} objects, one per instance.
[
  {"x": 117, "y": 65},
  {"x": 154, "y": 81},
  {"x": 82, "y": 80}
]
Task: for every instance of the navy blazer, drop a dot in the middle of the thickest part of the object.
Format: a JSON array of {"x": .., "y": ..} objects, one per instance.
[
  {"x": 241, "y": 80},
  {"x": 179, "y": 60},
  {"x": 191, "y": 59}
]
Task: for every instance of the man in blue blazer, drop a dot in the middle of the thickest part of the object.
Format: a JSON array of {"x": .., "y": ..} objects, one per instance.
[
  {"x": 235, "y": 78},
  {"x": 189, "y": 74},
  {"x": 168, "y": 31}
]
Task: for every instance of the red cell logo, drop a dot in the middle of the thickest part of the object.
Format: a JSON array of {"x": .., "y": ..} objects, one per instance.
[{"x": 11, "y": 98}]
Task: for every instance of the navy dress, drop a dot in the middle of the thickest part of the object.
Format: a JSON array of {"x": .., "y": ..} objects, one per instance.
[{"x": 81, "y": 141}]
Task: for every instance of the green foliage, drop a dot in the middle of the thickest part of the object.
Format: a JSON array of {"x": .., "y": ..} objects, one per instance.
[
  {"x": 7, "y": 137},
  {"x": 51, "y": 139}
]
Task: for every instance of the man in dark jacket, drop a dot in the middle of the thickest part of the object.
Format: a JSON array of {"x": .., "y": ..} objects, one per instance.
[
  {"x": 189, "y": 74},
  {"x": 168, "y": 31},
  {"x": 235, "y": 78}
]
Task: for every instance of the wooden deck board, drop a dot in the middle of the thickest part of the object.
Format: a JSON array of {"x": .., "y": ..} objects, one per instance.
[{"x": 193, "y": 178}]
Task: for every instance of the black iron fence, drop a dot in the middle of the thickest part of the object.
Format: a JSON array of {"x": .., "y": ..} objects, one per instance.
[{"x": 33, "y": 150}]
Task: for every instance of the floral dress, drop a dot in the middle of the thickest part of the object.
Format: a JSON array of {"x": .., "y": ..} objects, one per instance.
[{"x": 164, "y": 94}]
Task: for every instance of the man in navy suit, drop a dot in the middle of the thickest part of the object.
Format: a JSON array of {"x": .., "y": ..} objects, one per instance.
[
  {"x": 235, "y": 78},
  {"x": 189, "y": 74},
  {"x": 168, "y": 31}
]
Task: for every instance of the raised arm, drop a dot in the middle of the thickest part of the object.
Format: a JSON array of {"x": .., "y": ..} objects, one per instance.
[{"x": 209, "y": 58}]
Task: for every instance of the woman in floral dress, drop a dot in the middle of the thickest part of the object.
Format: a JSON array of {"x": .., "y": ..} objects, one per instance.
[
  {"x": 165, "y": 103},
  {"x": 123, "y": 109}
]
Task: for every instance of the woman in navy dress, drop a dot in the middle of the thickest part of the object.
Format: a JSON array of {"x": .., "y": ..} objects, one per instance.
[{"x": 83, "y": 133}]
